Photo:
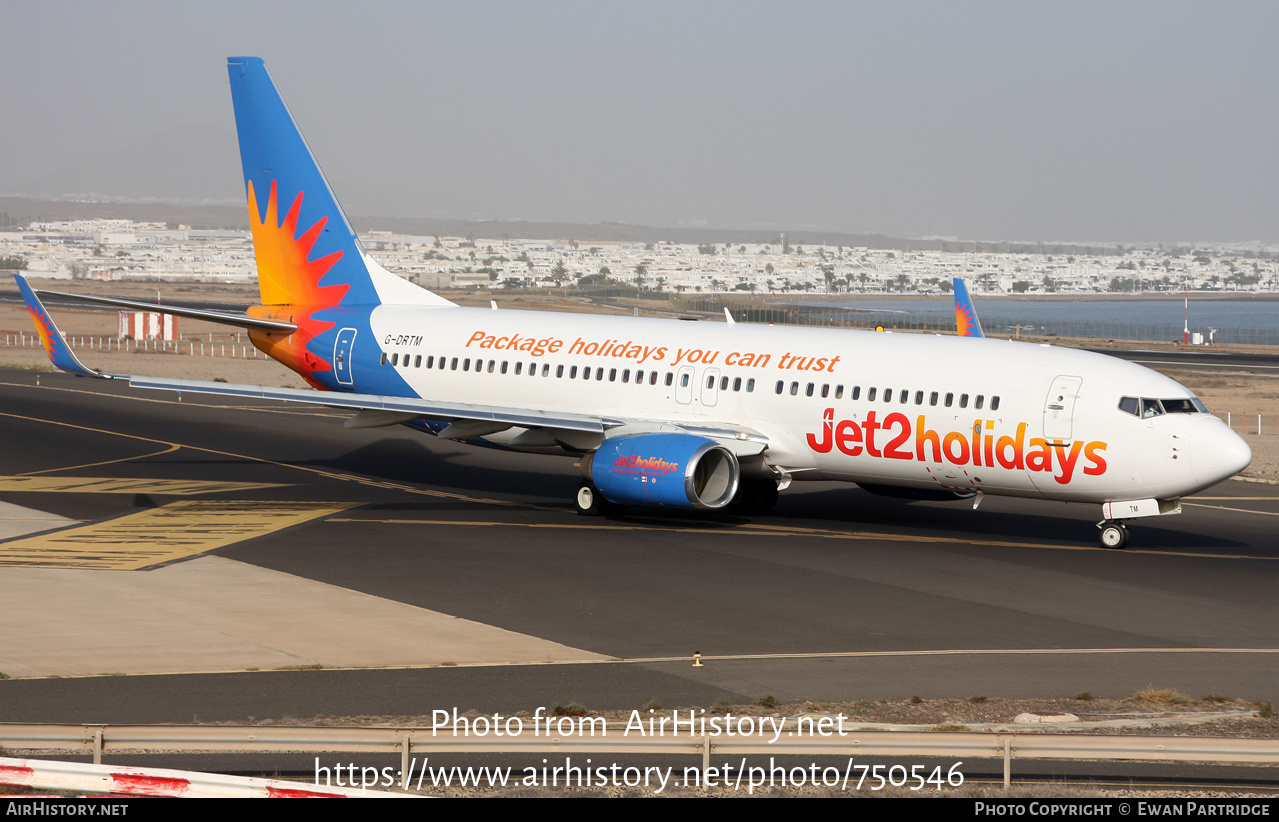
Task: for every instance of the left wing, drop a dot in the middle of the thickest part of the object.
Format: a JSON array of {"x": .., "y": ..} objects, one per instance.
[
  {"x": 399, "y": 408},
  {"x": 465, "y": 419}
]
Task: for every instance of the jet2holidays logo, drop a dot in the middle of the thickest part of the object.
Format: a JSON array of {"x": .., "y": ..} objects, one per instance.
[{"x": 989, "y": 444}]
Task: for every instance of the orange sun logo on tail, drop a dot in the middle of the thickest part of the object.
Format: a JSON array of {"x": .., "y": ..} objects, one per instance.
[
  {"x": 964, "y": 320},
  {"x": 44, "y": 327},
  {"x": 289, "y": 282}
]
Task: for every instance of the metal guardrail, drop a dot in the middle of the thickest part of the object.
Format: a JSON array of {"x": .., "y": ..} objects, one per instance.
[{"x": 100, "y": 739}]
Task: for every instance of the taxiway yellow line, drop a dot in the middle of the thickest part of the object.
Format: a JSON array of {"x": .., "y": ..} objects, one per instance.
[
  {"x": 408, "y": 489},
  {"x": 168, "y": 450},
  {"x": 963, "y": 652},
  {"x": 784, "y": 531}
]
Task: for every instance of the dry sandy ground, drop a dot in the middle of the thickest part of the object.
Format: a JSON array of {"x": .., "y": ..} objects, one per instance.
[{"x": 1241, "y": 396}]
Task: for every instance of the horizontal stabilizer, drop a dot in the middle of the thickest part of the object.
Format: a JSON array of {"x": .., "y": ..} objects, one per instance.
[{"x": 238, "y": 320}]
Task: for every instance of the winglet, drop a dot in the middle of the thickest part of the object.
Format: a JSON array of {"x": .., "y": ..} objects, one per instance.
[
  {"x": 966, "y": 321},
  {"x": 50, "y": 337}
]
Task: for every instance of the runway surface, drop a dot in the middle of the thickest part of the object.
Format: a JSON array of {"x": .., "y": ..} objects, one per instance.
[{"x": 205, "y": 539}]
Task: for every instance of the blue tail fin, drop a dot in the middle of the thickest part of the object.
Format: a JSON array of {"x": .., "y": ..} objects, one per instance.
[
  {"x": 966, "y": 321},
  {"x": 307, "y": 253}
]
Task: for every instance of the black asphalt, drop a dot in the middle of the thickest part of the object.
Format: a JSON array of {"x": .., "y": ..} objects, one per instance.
[{"x": 823, "y": 607}]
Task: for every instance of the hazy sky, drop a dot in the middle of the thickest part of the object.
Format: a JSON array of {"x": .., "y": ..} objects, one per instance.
[{"x": 1116, "y": 121}]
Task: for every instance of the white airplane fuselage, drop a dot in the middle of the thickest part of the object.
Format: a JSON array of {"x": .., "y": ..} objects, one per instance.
[{"x": 875, "y": 408}]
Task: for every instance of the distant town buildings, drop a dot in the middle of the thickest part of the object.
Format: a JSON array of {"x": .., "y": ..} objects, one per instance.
[{"x": 121, "y": 249}]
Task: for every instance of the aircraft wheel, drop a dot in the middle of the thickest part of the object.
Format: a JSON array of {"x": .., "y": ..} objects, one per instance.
[
  {"x": 1114, "y": 535},
  {"x": 588, "y": 501},
  {"x": 755, "y": 496}
]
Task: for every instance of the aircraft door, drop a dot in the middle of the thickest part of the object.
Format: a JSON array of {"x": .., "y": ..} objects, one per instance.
[
  {"x": 684, "y": 385},
  {"x": 1059, "y": 408},
  {"x": 710, "y": 386},
  {"x": 342, "y": 356}
]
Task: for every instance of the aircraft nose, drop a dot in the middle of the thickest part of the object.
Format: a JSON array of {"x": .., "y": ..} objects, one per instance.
[{"x": 1216, "y": 452}]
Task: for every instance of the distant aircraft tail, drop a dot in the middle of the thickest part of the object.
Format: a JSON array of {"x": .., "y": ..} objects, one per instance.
[
  {"x": 966, "y": 321},
  {"x": 311, "y": 265}
]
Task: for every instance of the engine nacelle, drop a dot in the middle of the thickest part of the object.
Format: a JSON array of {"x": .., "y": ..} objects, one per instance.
[{"x": 665, "y": 469}]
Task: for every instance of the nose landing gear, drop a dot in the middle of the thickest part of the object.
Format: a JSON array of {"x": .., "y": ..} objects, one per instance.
[{"x": 1114, "y": 534}]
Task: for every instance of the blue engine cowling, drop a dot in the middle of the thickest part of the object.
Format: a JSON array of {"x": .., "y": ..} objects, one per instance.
[{"x": 665, "y": 469}]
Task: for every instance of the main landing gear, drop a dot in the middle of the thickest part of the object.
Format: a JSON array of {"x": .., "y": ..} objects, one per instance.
[
  {"x": 1114, "y": 534},
  {"x": 755, "y": 497},
  {"x": 589, "y": 502}
]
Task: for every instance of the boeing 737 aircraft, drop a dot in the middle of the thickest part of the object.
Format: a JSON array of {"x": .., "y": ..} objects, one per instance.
[{"x": 693, "y": 415}]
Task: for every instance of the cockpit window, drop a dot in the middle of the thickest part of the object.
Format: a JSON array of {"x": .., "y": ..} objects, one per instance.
[
  {"x": 1190, "y": 405},
  {"x": 1145, "y": 407}
]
